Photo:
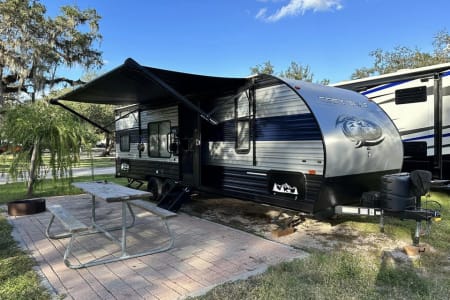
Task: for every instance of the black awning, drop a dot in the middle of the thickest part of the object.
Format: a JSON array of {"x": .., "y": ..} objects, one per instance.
[{"x": 132, "y": 83}]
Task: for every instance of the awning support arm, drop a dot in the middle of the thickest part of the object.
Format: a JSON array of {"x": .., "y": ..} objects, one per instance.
[
  {"x": 132, "y": 63},
  {"x": 56, "y": 102}
]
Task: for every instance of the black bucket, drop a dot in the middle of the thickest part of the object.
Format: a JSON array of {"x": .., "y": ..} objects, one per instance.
[{"x": 26, "y": 207}]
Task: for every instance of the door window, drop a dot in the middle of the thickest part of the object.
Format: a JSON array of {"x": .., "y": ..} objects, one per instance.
[
  {"x": 158, "y": 139},
  {"x": 125, "y": 143}
]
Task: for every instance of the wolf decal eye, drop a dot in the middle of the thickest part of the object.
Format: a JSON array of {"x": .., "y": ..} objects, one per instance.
[{"x": 361, "y": 132}]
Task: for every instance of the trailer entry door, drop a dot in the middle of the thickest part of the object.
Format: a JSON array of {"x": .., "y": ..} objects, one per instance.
[{"x": 189, "y": 146}]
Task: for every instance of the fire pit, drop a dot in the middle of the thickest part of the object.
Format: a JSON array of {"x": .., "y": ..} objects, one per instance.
[{"x": 26, "y": 207}]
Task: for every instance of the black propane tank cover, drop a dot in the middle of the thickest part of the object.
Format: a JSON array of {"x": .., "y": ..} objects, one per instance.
[
  {"x": 398, "y": 203},
  {"x": 396, "y": 184}
]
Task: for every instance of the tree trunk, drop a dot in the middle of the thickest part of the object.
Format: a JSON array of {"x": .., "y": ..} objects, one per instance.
[
  {"x": 33, "y": 168},
  {"x": 1, "y": 87},
  {"x": 109, "y": 145}
]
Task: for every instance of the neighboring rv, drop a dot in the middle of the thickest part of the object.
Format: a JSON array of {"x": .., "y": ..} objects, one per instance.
[
  {"x": 289, "y": 143},
  {"x": 418, "y": 101}
]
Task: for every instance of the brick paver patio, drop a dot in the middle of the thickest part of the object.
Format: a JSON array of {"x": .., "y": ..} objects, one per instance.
[{"x": 205, "y": 254}]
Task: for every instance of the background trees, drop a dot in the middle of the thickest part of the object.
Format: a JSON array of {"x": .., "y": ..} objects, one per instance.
[
  {"x": 295, "y": 71},
  {"x": 103, "y": 114},
  {"x": 385, "y": 61},
  {"x": 402, "y": 57},
  {"x": 37, "y": 128},
  {"x": 264, "y": 68},
  {"x": 33, "y": 46}
]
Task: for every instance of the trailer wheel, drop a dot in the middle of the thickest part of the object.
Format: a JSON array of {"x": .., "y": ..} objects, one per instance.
[{"x": 154, "y": 186}]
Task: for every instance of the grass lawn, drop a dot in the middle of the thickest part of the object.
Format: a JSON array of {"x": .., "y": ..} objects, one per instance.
[
  {"x": 48, "y": 188},
  {"x": 323, "y": 275},
  {"x": 18, "y": 281},
  {"x": 85, "y": 162},
  {"x": 343, "y": 275}
]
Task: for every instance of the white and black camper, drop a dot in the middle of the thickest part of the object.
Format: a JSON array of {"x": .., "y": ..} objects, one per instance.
[
  {"x": 289, "y": 143},
  {"x": 418, "y": 101}
]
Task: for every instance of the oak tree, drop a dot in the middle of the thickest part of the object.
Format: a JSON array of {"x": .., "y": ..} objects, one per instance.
[{"x": 33, "y": 46}]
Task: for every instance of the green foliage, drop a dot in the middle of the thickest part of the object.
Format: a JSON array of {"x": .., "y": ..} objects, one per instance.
[
  {"x": 101, "y": 113},
  {"x": 265, "y": 68},
  {"x": 439, "y": 236},
  {"x": 402, "y": 57},
  {"x": 36, "y": 128},
  {"x": 344, "y": 275},
  {"x": 33, "y": 46},
  {"x": 298, "y": 72},
  {"x": 8, "y": 246},
  {"x": 338, "y": 275},
  {"x": 294, "y": 71},
  {"x": 17, "y": 279},
  {"x": 48, "y": 188}
]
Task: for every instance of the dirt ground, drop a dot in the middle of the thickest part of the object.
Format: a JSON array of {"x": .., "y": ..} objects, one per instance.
[{"x": 290, "y": 227}]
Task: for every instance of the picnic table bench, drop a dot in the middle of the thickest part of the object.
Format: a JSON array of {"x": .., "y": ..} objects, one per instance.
[
  {"x": 109, "y": 192},
  {"x": 73, "y": 226}
]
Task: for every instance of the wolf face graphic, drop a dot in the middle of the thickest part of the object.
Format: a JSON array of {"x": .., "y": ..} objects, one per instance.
[{"x": 361, "y": 132}]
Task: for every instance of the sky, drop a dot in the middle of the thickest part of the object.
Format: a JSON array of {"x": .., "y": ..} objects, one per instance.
[{"x": 227, "y": 37}]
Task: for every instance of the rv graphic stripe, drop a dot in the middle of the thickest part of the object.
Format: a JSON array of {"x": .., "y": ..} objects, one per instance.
[
  {"x": 425, "y": 137},
  {"x": 301, "y": 127},
  {"x": 392, "y": 84},
  {"x": 383, "y": 87}
]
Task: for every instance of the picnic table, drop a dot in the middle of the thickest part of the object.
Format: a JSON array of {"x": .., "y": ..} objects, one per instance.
[{"x": 111, "y": 193}]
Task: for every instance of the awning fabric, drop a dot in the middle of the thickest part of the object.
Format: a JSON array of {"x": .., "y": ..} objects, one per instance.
[{"x": 132, "y": 83}]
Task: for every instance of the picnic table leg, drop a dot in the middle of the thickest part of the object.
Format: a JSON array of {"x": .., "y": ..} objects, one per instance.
[
  {"x": 124, "y": 227},
  {"x": 93, "y": 209},
  {"x": 133, "y": 217},
  {"x": 55, "y": 236}
]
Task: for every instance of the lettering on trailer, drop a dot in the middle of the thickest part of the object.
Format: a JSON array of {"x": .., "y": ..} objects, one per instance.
[
  {"x": 343, "y": 101},
  {"x": 361, "y": 132}
]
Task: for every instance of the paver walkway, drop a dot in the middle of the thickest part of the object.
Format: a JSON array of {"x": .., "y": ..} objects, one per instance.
[{"x": 205, "y": 254}]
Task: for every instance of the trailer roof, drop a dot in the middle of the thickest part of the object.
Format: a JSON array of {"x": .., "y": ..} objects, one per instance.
[
  {"x": 132, "y": 83},
  {"x": 363, "y": 84}
]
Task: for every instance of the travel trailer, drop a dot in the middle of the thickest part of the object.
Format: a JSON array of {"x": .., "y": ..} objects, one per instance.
[
  {"x": 289, "y": 143},
  {"x": 418, "y": 101}
]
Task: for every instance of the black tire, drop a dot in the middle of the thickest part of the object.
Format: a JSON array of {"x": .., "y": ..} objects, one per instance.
[{"x": 154, "y": 186}]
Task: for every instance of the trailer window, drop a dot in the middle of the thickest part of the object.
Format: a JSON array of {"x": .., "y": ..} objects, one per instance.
[
  {"x": 158, "y": 139},
  {"x": 411, "y": 95},
  {"x": 125, "y": 143},
  {"x": 242, "y": 117}
]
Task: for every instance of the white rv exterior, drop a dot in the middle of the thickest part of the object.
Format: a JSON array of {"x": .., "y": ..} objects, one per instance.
[
  {"x": 280, "y": 141},
  {"x": 285, "y": 142},
  {"x": 418, "y": 101}
]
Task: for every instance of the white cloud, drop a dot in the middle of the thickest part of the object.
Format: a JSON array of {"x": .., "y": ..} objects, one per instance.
[
  {"x": 296, "y": 7},
  {"x": 261, "y": 13}
]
